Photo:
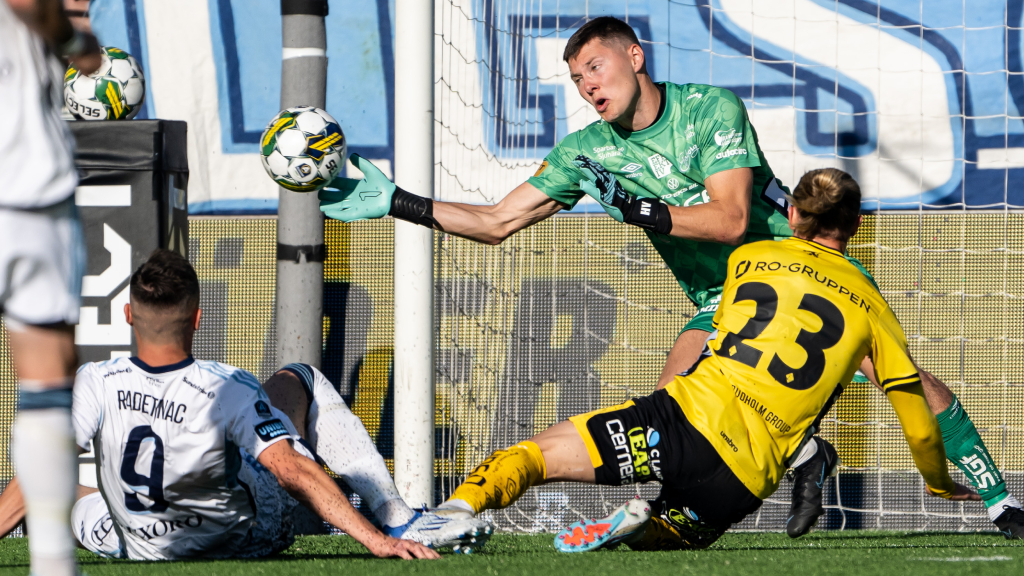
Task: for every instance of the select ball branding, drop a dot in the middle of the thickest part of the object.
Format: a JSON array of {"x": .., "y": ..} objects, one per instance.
[
  {"x": 115, "y": 91},
  {"x": 302, "y": 148}
]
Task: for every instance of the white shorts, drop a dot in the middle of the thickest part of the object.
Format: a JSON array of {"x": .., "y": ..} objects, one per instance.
[
  {"x": 272, "y": 532},
  {"x": 42, "y": 259}
]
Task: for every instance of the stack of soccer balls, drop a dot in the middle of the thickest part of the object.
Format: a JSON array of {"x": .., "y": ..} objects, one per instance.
[
  {"x": 303, "y": 148},
  {"x": 113, "y": 92}
]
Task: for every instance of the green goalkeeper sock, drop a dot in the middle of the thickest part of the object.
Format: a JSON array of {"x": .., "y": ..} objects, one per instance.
[{"x": 965, "y": 449}]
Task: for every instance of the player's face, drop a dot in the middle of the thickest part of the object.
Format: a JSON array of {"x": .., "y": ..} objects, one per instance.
[{"x": 605, "y": 74}]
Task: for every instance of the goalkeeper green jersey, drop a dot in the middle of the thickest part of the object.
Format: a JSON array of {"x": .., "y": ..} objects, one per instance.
[{"x": 703, "y": 130}]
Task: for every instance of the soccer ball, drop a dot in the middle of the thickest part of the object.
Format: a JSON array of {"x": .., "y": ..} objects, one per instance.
[
  {"x": 302, "y": 148},
  {"x": 113, "y": 92}
]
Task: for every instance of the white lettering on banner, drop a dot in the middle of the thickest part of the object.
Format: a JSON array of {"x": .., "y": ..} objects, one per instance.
[
  {"x": 114, "y": 195},
  {"x": 90, "y": 332},
  {"x": 120, "y": 266}
]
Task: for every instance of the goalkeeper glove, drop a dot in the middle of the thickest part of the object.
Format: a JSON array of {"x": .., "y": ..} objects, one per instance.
[
  {"x": 601, "y": 185},
  {"x": 374, "y": 196}
]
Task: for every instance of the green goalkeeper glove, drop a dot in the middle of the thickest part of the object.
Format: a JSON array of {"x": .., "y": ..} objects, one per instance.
[
  {"x": 601, "y": 185},
  {"x": 353, "y": 199},
  {"x": 348, "y": 199}
]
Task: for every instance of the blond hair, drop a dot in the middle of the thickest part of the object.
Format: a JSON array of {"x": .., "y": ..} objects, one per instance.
[{"x": 828, "y": 201}]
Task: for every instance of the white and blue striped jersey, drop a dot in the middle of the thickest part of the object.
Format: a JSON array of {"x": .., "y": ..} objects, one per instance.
[
  {"x": 36, "y": 147},
  {"x": 167, "y": 445}
]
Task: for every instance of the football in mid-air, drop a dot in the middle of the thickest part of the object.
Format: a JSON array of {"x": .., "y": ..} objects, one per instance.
[
  {"x": 302, "y": 148},
  {"x": 115, "y": 91}
]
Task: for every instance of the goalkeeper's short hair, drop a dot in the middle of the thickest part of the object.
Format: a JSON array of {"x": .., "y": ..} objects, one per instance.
[{"x": 603, "y": 28}]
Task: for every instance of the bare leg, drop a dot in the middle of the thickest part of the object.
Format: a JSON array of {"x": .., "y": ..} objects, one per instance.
[
  {"x": 43, "y": 441},
  {"x": 684, "y": 353},
  {"x": 565, "y": 454}
]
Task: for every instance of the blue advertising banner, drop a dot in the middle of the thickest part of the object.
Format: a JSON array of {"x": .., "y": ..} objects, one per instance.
[{"x": 919, "y": 99}]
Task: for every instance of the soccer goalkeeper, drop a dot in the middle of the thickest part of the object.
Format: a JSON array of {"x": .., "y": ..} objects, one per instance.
[
  {"x": 797, "y": 318},
  {"x": 683, "y": 163}
]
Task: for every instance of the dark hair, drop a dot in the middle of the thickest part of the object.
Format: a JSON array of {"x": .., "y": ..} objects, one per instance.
[
  {"x": 165, "y": 280},
  {"x": 602, "y": 28},
  {"x": 829, "y": 203}
]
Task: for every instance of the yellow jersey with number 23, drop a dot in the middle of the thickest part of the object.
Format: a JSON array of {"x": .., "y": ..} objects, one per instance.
[{"x": 796, "y": 320}]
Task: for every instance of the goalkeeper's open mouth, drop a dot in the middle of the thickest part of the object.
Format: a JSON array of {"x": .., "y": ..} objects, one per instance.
[{"x": 601, "y": 104}]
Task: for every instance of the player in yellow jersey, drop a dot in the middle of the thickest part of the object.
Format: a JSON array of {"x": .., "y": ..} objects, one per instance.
[{"x": 796, "y": 320}]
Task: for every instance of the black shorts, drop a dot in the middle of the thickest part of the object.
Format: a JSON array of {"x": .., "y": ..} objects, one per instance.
[{"x": 650, "y": 439}]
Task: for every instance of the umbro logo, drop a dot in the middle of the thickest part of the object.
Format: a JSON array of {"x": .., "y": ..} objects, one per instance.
[{"x": 632, "y": 167}]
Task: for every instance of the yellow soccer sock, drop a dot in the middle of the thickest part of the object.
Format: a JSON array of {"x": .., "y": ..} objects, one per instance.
[{"x": 502, "y": 478}]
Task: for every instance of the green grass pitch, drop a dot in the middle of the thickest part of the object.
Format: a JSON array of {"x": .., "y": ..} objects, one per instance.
[{"x": 821, "y": 553}]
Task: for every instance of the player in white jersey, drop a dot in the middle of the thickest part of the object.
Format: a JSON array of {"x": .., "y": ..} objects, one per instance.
[
  {"x": 194, "y": 460},
  {"x": 41, "y": 262}
]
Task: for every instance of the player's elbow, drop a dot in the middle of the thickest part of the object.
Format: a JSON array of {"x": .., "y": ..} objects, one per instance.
[{"x": 732, "y": 232}]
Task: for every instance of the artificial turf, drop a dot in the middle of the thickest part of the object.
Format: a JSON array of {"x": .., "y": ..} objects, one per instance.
[{"x": 770, "y": 554}]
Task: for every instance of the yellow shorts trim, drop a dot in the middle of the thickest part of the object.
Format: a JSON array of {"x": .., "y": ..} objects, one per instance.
[{"x": 580, "y": 422}]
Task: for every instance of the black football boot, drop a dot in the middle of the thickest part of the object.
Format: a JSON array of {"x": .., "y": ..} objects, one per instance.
[{"x": 808, "y": 482}]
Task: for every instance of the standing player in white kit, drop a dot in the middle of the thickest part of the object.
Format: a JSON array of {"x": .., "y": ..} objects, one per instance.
[
  {"x": 41, "y": 263},
  {"x": 196, "y": 460}
]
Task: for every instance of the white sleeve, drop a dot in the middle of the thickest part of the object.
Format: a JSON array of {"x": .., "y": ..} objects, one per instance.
[
  {"x": 254, "y": 425},
  {"x": 87, "y": 405}
]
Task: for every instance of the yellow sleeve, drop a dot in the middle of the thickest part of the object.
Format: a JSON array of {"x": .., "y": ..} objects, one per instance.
[
  {"x": 893, "y": 366},
  {"x": 923, "y": 435}
]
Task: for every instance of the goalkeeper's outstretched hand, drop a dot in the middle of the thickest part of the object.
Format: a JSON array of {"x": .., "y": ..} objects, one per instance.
[
  {"x": 348, "y": 199},
  {"x": 601, "y": 185}
]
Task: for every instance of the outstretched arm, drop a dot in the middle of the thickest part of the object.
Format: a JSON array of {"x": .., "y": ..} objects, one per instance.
[
  {"x": 491, "y": 224},
  {"x": 375, "y": 196},
  {"x": 12, "y": 505},
  {"x": 922, "y": 433},
  {"x": 307, "y": 482},
  {"x": 47, "y": 19}
]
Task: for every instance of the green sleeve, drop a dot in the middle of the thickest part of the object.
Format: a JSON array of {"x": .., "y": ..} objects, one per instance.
[
  {"x": 558, "y": 177},
  {"x": 724, "y": 134},
  {"x": 857, "y": 264}
]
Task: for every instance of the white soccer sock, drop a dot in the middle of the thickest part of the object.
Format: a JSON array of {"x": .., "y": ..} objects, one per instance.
[
  {"x": 806, "y": 453},
  {"x": 996, "y": 509},
  {"x": 45, "y": 457},
  {"x": 340, "y": 438}
]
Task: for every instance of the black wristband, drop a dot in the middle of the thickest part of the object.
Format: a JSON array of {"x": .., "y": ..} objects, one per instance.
[
  {"x": 648, "y": 214},
  {"x": 413, "y": 208}
]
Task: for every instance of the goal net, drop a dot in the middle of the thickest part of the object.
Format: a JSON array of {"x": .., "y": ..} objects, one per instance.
[{"x": 918, "y": 100}]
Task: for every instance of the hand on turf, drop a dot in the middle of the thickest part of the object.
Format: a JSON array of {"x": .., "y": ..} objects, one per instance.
[
  {"x": 348, "y": 199},
  {"x": 601, "y": 185},
  {"x": 959, "y": 494},
  {"x": 405, "y": 549}
]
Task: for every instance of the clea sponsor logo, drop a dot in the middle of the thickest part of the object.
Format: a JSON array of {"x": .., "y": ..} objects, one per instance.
[
  {"x": 646, "y": 458},
  {"x": 726, "y": 138},
  {"x": 694, "y": 95},
  {"x": 659, "y": 165}
]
